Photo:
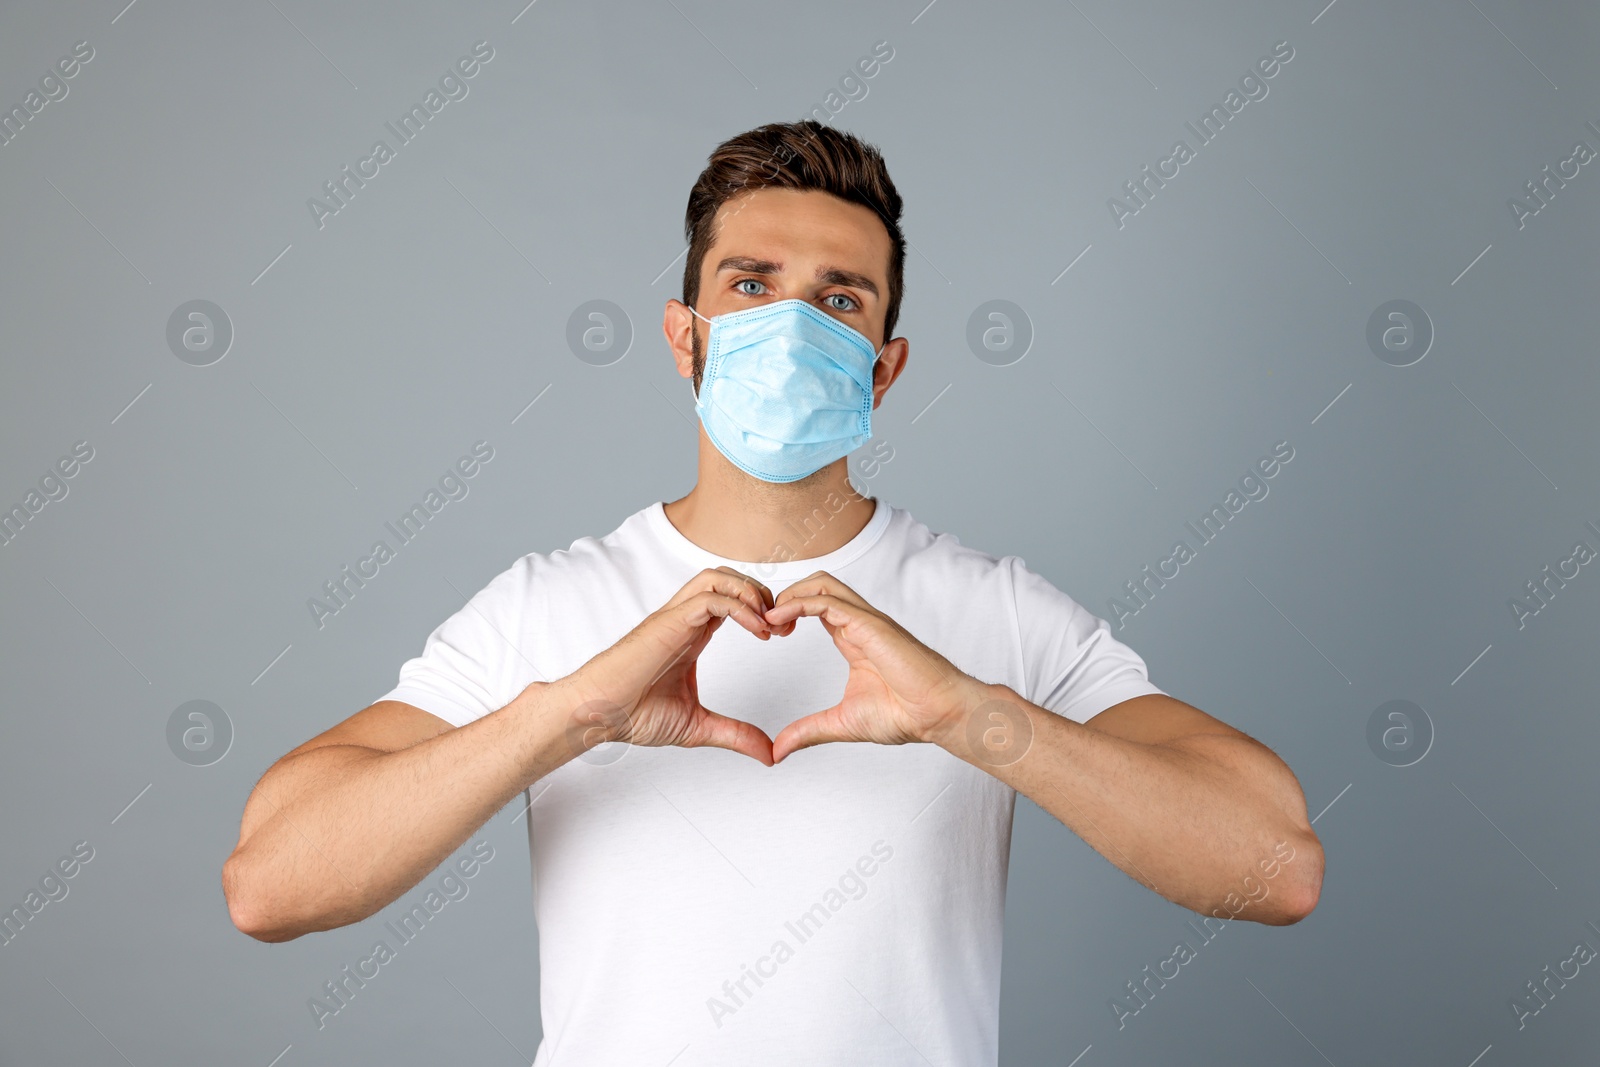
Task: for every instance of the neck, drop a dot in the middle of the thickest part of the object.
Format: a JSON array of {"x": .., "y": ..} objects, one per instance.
[{"x": 731, "y": 514}]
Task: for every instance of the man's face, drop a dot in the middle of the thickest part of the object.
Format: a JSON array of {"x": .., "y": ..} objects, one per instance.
[{"x": 779, "y": 244}]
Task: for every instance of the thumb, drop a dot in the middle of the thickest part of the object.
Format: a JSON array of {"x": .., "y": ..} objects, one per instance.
[
  {"x": 713, "y": 730},
  {"x": 818, "y": 728}
]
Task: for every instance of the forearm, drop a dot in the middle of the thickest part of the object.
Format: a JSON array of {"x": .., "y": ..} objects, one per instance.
[
  {"x": 1207, "y": 820},
  {"x": 338, "y": 832}
]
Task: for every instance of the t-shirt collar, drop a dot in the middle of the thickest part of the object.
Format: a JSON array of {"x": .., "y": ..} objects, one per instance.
[{"x": 777, "y": 566}]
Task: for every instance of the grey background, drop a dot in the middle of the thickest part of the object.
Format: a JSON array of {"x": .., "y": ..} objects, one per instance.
[{"x": 1227, "y": 315}]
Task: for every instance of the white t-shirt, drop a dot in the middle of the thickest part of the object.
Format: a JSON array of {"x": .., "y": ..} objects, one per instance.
[{"x": 698, "y": 908}]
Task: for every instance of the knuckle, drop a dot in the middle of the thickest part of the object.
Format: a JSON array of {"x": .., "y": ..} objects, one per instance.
[{"x": 718, "y": 603}]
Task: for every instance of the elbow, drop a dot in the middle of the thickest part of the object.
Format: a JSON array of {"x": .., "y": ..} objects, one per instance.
[
  {"x": 1306, "y": 889},
  {"x": 1295, "y": 888},
  {"x": 246, "y": 909}
]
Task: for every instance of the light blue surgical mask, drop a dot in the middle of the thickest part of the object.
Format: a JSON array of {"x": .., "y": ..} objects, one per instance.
[{"x": 786, "y": 389}]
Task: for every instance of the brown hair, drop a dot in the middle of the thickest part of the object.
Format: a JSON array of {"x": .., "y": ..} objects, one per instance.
[{"x": 794, "y": 155}]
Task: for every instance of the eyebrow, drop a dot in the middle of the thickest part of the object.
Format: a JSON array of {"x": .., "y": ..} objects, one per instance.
[{"x": 830, "y": 275}]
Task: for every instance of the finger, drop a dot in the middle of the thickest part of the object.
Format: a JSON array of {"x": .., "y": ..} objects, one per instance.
[
  {"x": 823, "y": 582},
  {"x": 820, "y": 728},
  {"x": 728, "y": 582},
  {"x": 760, "y": 586},
  {"x": 704, "y": 607},
  {"x": 675, "y": 633},
  {"x": 719, "y": 731},
  {"x": 830, "y": 609},
  {"x": 690, "y": 653}
]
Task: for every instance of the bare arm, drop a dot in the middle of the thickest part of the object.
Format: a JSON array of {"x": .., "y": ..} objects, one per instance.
[
  {"x": 1193, "y": 809},
  {"x": 340, "y": 827}
]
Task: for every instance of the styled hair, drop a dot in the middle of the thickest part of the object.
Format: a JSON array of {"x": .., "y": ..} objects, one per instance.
[{"x": 795, "y": 155}]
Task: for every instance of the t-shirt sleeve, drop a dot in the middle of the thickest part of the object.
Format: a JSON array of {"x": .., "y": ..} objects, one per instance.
[
  {"x": 472, "y": 663},
  {"x": 1072, "y": 663}
]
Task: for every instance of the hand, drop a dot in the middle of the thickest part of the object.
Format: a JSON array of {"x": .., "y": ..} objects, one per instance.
[
  {"x": 898, "y": 690},
  {"x": 642, "y": 689}
]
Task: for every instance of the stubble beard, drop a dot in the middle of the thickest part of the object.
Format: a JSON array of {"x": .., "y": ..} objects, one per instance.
[{"x": 699, "y": 360}]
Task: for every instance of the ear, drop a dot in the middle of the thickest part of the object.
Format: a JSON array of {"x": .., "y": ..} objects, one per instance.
[
  {"x": 888, "y": 368},
  {"x": 677, "y": 322}
]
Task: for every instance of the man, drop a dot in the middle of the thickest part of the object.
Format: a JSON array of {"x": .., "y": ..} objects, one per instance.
[{"x": 799, "y": 853}]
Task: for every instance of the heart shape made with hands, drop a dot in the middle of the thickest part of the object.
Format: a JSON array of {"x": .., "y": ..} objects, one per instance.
[{"x": 898, "y": 689}]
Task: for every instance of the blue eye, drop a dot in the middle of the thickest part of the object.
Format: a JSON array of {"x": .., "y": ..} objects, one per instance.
[
  {"x": 748, "y": 281},
  {"x": 842, "y": 296}
]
